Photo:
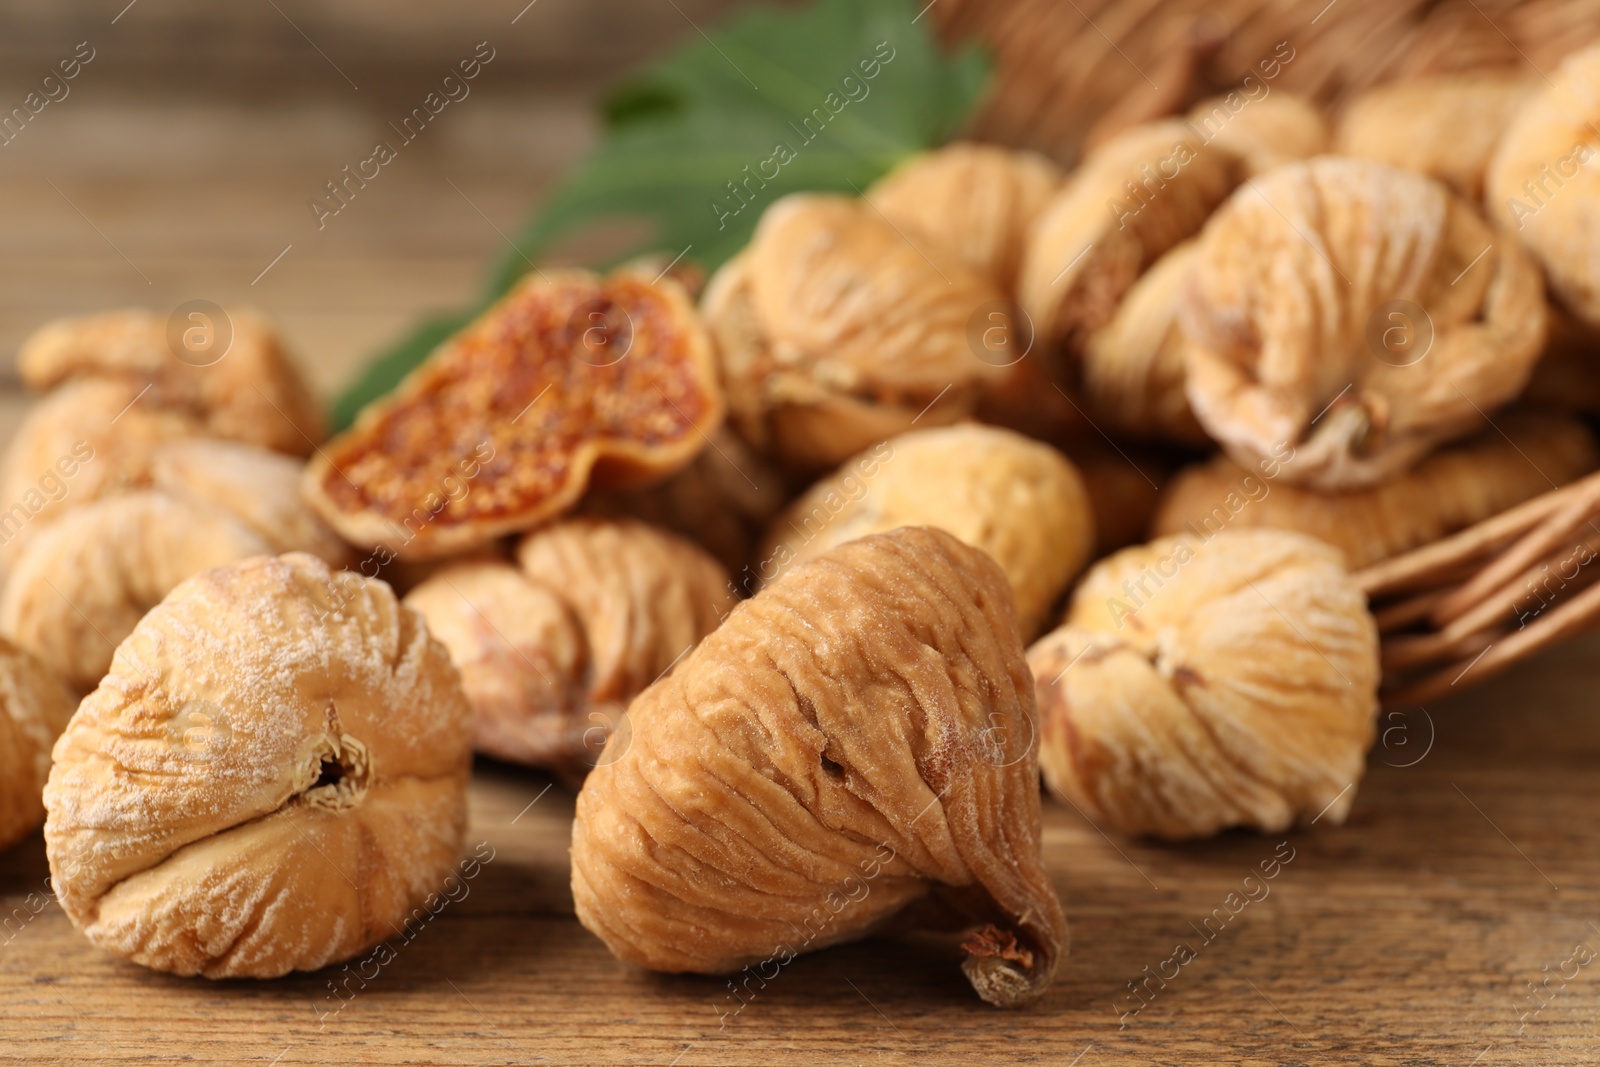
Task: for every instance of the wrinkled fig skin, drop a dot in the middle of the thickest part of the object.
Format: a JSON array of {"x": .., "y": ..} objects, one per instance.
[
  {"x": 829, "y": 741},
  {"x": 833, "y": 332},
  {"x": 267, "y": 722},
  {"x": 34, "y": 709},
  {"x": 552, "y": 650},
  {"x": 1451, "y": 489},
  {"x": 1018, "y": 500},
  {"x": 1544, "y": 181},
  {"x": 1282, "y": 347},
  {"x": 1264, "y": 132},
  {"x": 1446, "y": 126},
  {"x": 1196, "y": 686}
]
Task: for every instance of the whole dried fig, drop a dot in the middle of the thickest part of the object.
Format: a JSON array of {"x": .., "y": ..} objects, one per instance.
[
  {"x": 1358, "y": 314},
  {"x": 1201, "y": 684},
  {"x": 1444, "y": 125},
  {"x": 976, "y": 199},
  {"x": 1456, "y": 487},
  {"x": 552, "y": 650},
  {"x": 273, "y": 775},
  {"x": 239, "y": 383},
  {"x": 835, "y": 331},
  {"x": 571, "y": 380},
  {"x": 1264, "y": 131},
  {"x": 34, "y": 709},
  {"x": 79, "y": 589},
  {"x": 1020, "y": 501},
  {"x": 1543, "y": 185},
  {"x": 854, "y": 740}
]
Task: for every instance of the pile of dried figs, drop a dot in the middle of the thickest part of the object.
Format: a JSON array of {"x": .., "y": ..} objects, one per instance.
[{"x": 806, "y": 576}]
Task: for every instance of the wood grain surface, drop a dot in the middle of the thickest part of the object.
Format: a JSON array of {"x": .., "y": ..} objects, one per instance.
[{"x": 179, "y": 168}]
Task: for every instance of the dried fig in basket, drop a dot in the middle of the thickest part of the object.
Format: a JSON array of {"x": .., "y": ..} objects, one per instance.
[
  {"x": 79, "y": 589},
  {"x": 571, "y": 380},
  {"x": 270, "y": 779},
  {"x": 34, "y": 709},
  {"x": 1458, "y": 486},
  {"x": 835, "y": 331},
  {"x": 1358, "y": 314},
  {"x": 1199, "y": 684},
  {"x": 552, "y": 650},
  {"x": 1020, "y": 501},
  {"x": 1543, "y": 183},
  {"x": 1446, "y": 126},
  {"x": 977, "y": 200},
  {"x": 855, "y": 740},
  {"x": 235, "y": 378},
  {"x": 1263, "y": 131}
]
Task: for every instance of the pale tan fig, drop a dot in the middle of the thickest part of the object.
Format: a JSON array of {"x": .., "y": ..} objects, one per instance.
[
  {"x": 1522, "y": 456},
  {"x": 976, "y": 199},
  {"x": 1446, "y": 126},
  {"x": 721, "y": 501},
  {"x": 1543, "y": 181},
  {"x": 1133, "y": 376},
  {"x": 1265, "y": 131},
  {"x": 1133, "y": 199},
  {"x": 79, "y": 589},
  {"x": 571, "y": 381},
  {"x": 272, "y": 778},
  {"x": 552, "y": 650},
  {"x": 1202, "y": 684},
  {"x": 259, "y": 486},
  {"x": 856, "y": 739},
  {"x": 34, "y": 709},
  {"x": 1357, "y": 314},
  {"x": 835, "y": 331},
  {"x": 230, "y": 372},
  {"x": 1020, "y": 501},
  {"x": 88, "y": 439}
]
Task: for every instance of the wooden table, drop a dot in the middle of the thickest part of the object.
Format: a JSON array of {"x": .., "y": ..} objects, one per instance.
[{"x": 179, "y": 168}]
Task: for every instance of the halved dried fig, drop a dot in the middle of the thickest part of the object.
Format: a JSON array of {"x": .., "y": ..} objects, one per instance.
[
  {"x": 976, "y": 199},
  {"x": 1358, "y": 314},
  {"x": 270, "y": 779},
  {"x": 1543, "y": 183},
  {"x": 1199, "y": 684},
  {"x": 1451, "y": 489},
  {"x": 1445, "y": 125},
  {"x": 240, "y": 383},
  {"x": 34, "y": 709},
  {"x": 835, "y": 330},
  {"x": 1020, "y": 501},
  {"x": 571, "y": 380},
  {"x": 552, "y": 650},
  {"x": 855, "y": 739}
]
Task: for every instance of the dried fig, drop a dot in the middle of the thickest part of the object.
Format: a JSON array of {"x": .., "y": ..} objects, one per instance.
[
  {"x": 570, "y": 380},
  {"x": 1542, "y": 185},
  {"x": 1446, "y": 126},
  {"x": 976, "y": 199},
  {"x": 1358, "y": 314},
  {"x": 551, "y": 651},
  {"x": 273, "y": 775},
  {"x": 854, "y": 740},
  {"x": 34, "y": 709},
  {"x": 1451, "y": 489},
  {"x": 835, "y": 331},
  {"x": 80, "y": 589},
  {"x": 1264, "y": 131},
  {"x": 1020, "y": 501},
  {"x": 1133, "y": 199},
  {"x": 240, "y": 384},
  {"x": 721, "y": 501},
  {"x": 1202, "y": 684}
]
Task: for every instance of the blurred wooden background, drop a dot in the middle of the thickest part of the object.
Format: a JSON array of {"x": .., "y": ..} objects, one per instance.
[{"x": 181, "y": 161}]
